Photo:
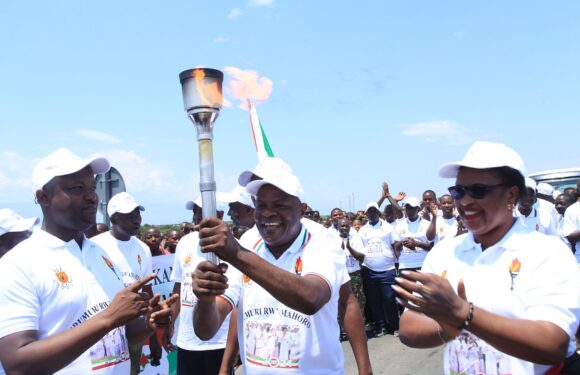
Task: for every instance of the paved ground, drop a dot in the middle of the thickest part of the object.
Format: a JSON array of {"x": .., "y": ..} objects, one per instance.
[{"x": 389, "y": 356}]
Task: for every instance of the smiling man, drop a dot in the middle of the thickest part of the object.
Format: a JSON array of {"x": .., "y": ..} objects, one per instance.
[
  {"x": 286, "y": 290},
  {"x": 64, "y": 309}
]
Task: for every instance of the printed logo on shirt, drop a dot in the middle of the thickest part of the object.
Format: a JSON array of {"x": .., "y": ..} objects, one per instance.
[
  {"x": 139, "y": 260},
  {"x": 64, "y": 280},
  {"x": 444, "y": 274},
  {"x": 468, "y": 354},
  {"x": 247, "y": 281},
  {"x": 110, "y": 265},
  {"x": 187, "y": 260},
  {"x": 273, "y": 345},
  {"x": 298, "y": 266},
  {"x": 514, "y": 270}
]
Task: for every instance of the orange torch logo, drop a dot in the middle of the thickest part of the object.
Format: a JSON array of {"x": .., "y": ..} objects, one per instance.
[
  {"x": 298, "y": 266},
  {"x": 110, "y": 265},
  {"x": 64, "y": 280},
  {"x": 246, "y": 280},
  {"x": 514, "y": 270}
]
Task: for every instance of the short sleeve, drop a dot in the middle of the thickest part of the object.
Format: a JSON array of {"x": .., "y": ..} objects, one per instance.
[
  {"x": 19, "y": 301},
  {"x": 326, "y": 260},
  {"x": 235, "y": 284},
  {"x": 176, "y": 272}
]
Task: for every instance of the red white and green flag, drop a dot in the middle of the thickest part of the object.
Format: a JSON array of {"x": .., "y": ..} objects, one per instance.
[{"x": 260, "y": 140}]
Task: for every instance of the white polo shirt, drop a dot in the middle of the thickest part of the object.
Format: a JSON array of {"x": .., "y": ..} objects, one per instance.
[
  {"x": 572, "y": 224},
  {"x": 187, "y": 257},
  {"x": 133, "y": 256},
  {"x": 51, "y": 286},
  {"x": 378, "y": 246},
  {"x": 277, "y": 339},
  {"x": 518, "y": 278},
  {"x": 417, "y": 229},
  {"x": 355, "y": 242}
]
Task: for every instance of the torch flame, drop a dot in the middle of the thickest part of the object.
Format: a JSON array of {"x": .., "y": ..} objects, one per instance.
[
  {"x": 108, "y": 262},
  {"x": 515, "y": 266},
  {"x": 209, "y": 93},
  {"x": 298, "y": 266},
  {"x": 247, "y": 84}
]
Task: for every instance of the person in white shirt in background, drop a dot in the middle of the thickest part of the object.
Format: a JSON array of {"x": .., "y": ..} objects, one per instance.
[
  {"x": 14, "y": 229},
  {"x": 127, "y": 252},
  {"x": 563, "y": 201},
  {"x": 571, "y": 226},
  {"x": 545, "y": 202},
  {"x": 445, "y": 225},
  {"x": 353, "y": 249},
  {"x": 411, "y": 236},
  {"x": 379, "y": 271},
  {"x": 533, "y": 218}
]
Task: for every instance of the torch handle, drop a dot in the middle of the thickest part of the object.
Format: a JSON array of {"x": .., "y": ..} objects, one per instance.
[{"x": 207, "y": 184}]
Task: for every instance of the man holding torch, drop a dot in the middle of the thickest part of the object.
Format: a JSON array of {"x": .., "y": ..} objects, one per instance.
[{"x": 286, "y": 288}]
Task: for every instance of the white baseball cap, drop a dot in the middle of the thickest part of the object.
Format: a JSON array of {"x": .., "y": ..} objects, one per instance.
[
  {"x": 372, "y": 204},
  {"x": 413, "y": 202},
  {"x": 123, "y": 203},
  {"x": 265, "y": 165},
  {"x": 239, "y": 194},
  {"x": 484, "y": 155},
  {"x": 10, "y": 221},
  {"x": 282, "y": 179},
  {"x": 530, "y": 183},
  {"x": 545, "y": 188},
  {"x": 63, "y": 162},
  {"x": 220, "y": 198}
]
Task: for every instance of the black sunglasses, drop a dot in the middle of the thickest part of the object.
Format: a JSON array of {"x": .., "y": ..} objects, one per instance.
[{"x": 475, "y": 191}]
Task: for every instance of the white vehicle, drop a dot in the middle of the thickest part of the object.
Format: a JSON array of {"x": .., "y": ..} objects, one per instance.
[{"x": 560, "y": 179}]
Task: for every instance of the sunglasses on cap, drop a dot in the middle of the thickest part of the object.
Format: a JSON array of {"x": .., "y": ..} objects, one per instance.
[{"x": 475, "y": 191}]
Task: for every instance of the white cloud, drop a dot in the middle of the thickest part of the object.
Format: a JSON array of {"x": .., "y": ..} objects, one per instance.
[
  {"x": 260, "y": 3},
  {"x": 221, "y": 39},
  {"x": 234, "y": 13},
  {"x": 97, "y": 136},
  {"x": 439, "y": 131}
]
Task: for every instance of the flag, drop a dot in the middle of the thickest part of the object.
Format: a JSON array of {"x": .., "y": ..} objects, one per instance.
[{"x": 260, "y": 140}]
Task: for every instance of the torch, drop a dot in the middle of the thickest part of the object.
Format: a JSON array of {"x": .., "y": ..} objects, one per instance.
[{"x": 202, "y": 98}]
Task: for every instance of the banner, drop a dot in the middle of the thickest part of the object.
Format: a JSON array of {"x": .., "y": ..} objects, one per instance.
[{"x": 163, "y": 285}]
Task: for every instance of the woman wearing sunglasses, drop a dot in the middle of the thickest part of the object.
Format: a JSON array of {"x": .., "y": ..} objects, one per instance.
[{"x": 503, "y": 299}]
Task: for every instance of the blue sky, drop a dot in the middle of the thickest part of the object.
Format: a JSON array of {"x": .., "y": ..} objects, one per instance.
[{"x": 349, "y": 94}]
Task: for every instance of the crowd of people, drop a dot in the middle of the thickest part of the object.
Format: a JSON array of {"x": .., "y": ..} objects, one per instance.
[{"x": 489, "y": 270}]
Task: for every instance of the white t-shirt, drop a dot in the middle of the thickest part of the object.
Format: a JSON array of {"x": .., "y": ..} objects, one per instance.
[
  {"x": 187, "y": 257},
  {"x": 378, "y": 246},
  {"x": 526, "y": 275},
  {"x": 535, "y": 221},
  {"x": 277, "y": 339},
  {"x": 445, "y": 228},
  {"x": 133, "y": 256},
  {"x": 51, "y": 286},
  {"x": 572, "y": 224},
  {"x": 412, "y": 229},
  {"x": 355, "y": 242}
]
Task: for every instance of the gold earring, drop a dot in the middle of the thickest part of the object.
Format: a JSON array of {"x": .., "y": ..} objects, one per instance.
[{"x": 510, "y": 206}]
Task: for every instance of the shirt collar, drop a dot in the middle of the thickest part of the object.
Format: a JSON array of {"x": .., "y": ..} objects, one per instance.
[{"x": 510, "y": 241}]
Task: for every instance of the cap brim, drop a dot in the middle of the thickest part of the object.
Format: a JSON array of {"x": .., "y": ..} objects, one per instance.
[
  {"x": 246, "y": 177},
  {"x": 450, "y": 170},
  {"x": 99, "y": 165},
  {"x": 25, "y": 224}
]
